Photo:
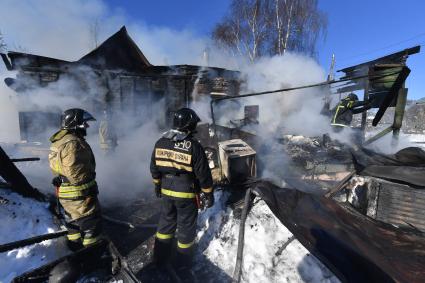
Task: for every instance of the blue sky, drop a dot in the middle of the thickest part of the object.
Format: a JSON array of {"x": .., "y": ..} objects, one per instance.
[{"x": 362, "y": 30}]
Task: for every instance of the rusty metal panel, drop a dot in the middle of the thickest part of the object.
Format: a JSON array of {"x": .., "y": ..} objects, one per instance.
[
  {"x": 401, "y": 205},
  {"x": 237, "y": 160}
]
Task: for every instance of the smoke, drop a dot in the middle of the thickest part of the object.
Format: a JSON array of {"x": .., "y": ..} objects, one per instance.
[
  {"x": 124, "y": 173},
  {"x": 294, "y": 112},
  {"x": 389, "y": 145},
  {"x": 8, "y": 113}
]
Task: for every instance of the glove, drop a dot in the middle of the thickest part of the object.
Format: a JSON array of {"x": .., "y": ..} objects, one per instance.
[
  {"x": 207, "y": 200},
  {"x": 158, "y": 190},
  {"x": 57, "y": 181}
]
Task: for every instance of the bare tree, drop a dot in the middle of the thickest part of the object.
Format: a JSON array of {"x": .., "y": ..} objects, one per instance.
[
  {"x": 245, "y": 29},
  {"x": 255, "y": 28},
  {"x": 3, "y": 45},
  {"x": 94, "y": 32}
]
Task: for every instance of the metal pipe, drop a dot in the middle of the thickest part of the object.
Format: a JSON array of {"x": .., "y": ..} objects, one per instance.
[
  {"x": 31, "y": 241},
  {"x": 25, "y": 159}
]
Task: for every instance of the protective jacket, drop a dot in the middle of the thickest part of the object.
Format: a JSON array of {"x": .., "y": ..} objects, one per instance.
[
  {"x": 180, "y": 165},
  {"x": 107, "y": 136},
  {"x": 72, "y": 159},
  {"x": 343, "y": 112}
]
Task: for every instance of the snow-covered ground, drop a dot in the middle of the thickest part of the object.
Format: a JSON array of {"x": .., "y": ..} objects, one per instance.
[
  {"x": 267, "y": 257},
  {"x": 419, "y": 139},
  {"x": 22, "y": 218}
]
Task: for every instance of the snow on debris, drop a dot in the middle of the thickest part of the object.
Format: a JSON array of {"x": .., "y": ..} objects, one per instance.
[
  {"x": 270, "y": 255},
  {"x": 23, "y": 218}
]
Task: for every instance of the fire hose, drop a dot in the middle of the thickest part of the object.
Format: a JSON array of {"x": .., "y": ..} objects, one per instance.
[{"x": 238, "y": 266}]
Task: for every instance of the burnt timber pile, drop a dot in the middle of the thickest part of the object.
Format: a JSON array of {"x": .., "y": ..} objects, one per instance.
[
  {"x": 320, "y": 161},
  {"x": 369, "y": 229}
]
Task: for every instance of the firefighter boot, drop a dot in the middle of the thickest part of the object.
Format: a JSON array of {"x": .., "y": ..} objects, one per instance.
[
  {"x": 183, "y": 264},
  {"x": 74, "y": 245},
  {"x": 162, "y": 251}
]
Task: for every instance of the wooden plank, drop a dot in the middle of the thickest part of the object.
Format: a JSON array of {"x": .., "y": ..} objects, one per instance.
[{"x": 11, "y": 174}]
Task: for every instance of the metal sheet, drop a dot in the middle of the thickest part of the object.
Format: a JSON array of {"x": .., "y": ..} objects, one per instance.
[{"x": 401, "y": 205}]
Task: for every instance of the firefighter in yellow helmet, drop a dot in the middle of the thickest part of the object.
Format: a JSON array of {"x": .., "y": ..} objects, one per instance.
[
  {"x": 180, "y": 170},
  {"x": 342, "y": 114},
  {"x": 73, "y": 162}
]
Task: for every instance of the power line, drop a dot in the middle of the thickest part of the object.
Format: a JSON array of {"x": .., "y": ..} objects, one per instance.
[{"x": 384, "y": 47}]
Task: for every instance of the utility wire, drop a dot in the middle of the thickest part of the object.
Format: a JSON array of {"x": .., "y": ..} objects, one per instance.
[
  {"x": 303, "y": 87},
  {"x": 384, "y": 47}
]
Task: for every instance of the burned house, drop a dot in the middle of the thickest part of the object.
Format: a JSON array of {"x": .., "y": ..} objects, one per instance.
[{"x": 115, "y": 76}]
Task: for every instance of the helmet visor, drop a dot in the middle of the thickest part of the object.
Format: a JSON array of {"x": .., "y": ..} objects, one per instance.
[{"x": 88, "y": 117}]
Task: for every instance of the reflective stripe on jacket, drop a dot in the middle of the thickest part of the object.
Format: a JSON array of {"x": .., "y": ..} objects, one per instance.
[
  {"x": 343, "y": 114},
  {"x": 71, "y": 191},
  {"x": 181, "y": 167}
]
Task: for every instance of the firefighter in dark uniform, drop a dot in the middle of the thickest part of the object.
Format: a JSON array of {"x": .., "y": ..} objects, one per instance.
[
  {"x": 72, "y": 161},
  {"x": 342, "y": 114},
  {"x": 180, "y": 170}
]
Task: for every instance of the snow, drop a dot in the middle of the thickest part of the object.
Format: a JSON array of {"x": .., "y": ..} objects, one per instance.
[
  {"x": 268, "y": 256},
  {"x": 416, "y": 138},
  {"x": 23, "y": 218}
]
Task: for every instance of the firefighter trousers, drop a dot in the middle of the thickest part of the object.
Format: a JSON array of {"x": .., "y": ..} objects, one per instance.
[
  {"x": 83, "y": 221},
  {"x": 178, "y": 216}
]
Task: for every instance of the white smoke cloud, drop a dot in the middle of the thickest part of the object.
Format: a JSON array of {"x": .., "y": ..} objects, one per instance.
[
  {"x": 58, "y": 29},
  {"x": 295, "y": 112},
  {"x": 9, "y": 119}
]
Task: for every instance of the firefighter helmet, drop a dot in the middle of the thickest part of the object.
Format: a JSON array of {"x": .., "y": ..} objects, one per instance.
[
  {"x": 352, "y": 96},
  {"x": 75, "y": 118},
  {"x": 185, "y": 119}
]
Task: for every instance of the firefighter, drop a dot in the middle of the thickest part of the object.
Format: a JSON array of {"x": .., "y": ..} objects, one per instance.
[
  {"x": 72, "y": 160},
  {"x": 107, "y": 135},
  {"x": 180, "y": 171},
  {"x": 343, "y": 112}
]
